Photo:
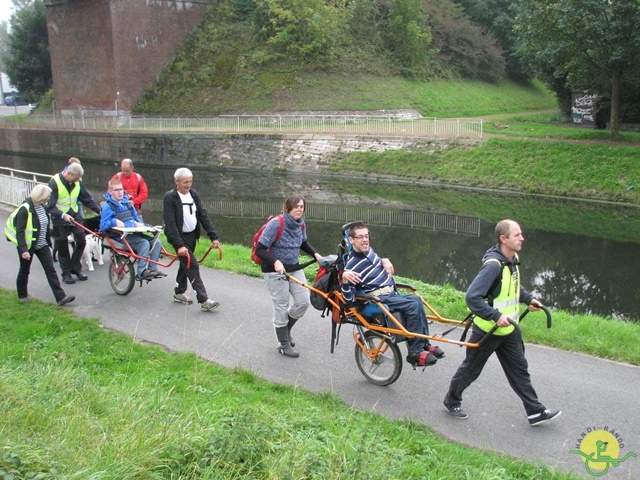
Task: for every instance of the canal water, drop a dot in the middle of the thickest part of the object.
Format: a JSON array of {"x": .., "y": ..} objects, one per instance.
[{"x": 577, "y": 256}]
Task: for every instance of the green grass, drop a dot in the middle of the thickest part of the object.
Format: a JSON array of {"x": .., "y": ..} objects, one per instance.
[
  {"x": 436, "y": 98},
  {"x": 82, "y": 402},
  {"x": 550, "y": 126},
  {"x": 326, "y": 92},
  {"x": 596, "y": 171}
]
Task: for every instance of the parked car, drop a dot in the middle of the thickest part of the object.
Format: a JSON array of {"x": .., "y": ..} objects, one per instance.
[{"x": 15, "y": 100}]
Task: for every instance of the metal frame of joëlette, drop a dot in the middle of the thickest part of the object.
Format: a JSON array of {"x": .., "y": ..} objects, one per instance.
[
  {"x": 352, "y": 315},
  {"x": 131, "y": 253}
]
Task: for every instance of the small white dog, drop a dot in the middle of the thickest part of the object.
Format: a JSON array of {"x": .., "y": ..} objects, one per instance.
[{"x": 92, "y": 250}]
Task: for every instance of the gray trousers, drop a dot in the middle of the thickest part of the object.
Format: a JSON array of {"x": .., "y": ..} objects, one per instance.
[{"x": 281, "y": 290}]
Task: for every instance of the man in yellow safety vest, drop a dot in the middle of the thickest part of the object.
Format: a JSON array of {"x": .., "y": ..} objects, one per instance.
[
  {"x": 494, "y": 297},
  {"x": 67, "y": 193}
]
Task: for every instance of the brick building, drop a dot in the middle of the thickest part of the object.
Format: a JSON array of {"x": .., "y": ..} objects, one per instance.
[{"x": 104, "y": 52}]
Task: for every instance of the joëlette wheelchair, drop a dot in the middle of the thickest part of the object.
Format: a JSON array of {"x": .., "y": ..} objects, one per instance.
[
  {"x": 122, "y": 257},
  {"x": 377, "y": 331}
]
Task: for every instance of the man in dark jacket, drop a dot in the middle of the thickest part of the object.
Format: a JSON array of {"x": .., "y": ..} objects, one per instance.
[
  {"x": 67, "y": 193},
  {"x": 494, "y": 297},
  {"x": 184, "y": 215}
]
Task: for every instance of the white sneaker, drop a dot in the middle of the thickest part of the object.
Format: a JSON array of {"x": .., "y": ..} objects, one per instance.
[
  {"x": 182, "y": 298},
  {"x": 209, "y": 305}
]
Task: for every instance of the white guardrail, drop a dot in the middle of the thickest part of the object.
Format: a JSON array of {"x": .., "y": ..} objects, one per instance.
[
  {"x": 16, "y": 185},
  {"x": 309, "y": 124}
]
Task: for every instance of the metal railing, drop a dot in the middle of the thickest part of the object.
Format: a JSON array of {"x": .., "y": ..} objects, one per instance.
[
  {"x": 291, "y": 124},
  {"x": 16, "y": 185},
  {"x": 441, "y": 222}
]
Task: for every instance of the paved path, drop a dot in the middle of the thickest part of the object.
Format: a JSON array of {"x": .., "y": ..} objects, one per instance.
[{"x": 593, "y": 393}]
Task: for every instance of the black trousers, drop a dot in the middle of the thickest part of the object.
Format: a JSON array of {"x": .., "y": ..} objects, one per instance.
[
  {"x": 192, "y": 273},
  {"x": 510, "y": 352},
  {"x": 44, "y": 255},
  {"x": 69, "y": 263}
]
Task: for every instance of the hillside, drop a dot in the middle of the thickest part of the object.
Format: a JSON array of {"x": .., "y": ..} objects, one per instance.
[{"x": 233, "y": 64}]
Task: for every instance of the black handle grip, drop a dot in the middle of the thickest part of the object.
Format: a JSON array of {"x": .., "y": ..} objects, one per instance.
[{"x": 544, "y": 309}]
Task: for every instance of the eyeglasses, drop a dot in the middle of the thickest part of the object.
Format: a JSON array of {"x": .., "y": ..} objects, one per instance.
[{"x": 362, "y": 237}]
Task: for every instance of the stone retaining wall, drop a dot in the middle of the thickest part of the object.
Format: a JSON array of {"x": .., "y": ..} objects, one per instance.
[{"x": 290, "y": 152}]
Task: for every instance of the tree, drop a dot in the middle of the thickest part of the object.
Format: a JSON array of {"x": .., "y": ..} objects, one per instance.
[
  {"x": 495, "y": 17},
  {"x": 4, "y": 43},
  {"x": 595, "y": 43},
  {"x": 462, "y": 45},
  {"x": 408, "y": 36},
  {"x": 28, "y": 63},
  {"x": 308, "y": 29}
]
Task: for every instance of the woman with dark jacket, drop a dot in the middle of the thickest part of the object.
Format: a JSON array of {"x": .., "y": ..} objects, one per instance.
[
  {"x": 28, "y": 228},
  {"x": 279, "y": 248}
]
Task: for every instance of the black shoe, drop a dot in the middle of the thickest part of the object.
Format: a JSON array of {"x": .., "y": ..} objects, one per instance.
[
  {"x": 437, "y": 351},
  {"x": 158, "y": 274},
  {"x": 146, "y": 275},
  {"x": 81, "y": 276},
  {"x": 544, "y": 416},
  {"x": 68, "y": 279},
  {"x": 66, "y": 299},
  {"x": 455, "y": 411},
  {"x": 421, "y": 359}
]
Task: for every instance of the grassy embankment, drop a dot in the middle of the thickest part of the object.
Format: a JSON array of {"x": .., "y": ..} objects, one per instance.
[{"x": 538, "y": 155}]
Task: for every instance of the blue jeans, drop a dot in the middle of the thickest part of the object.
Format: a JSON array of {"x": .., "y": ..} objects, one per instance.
[
  {"x": 413, "y": 312},
  {"x": 141, "y": 245}
]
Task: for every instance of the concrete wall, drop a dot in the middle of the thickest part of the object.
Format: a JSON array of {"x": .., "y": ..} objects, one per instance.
[
  {"x": 291, "y": 152},
  {"x": 101, "y": 47}
]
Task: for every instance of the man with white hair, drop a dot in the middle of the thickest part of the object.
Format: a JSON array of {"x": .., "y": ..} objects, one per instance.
[
  {"x": 184, "y": 216},
  {"x": 67, "y": 194}
]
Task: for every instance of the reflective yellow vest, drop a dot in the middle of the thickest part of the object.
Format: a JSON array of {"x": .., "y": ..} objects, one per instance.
[
  {"x": 10, "y": 227},
  {"x": 507, "y": 302},
  {"x": 67, "y": 200}
]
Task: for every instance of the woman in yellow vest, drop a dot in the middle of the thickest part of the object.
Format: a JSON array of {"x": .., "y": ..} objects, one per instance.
[
  {"x": 28, "y": 228},
  {"x": 494, "y": 298}
]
